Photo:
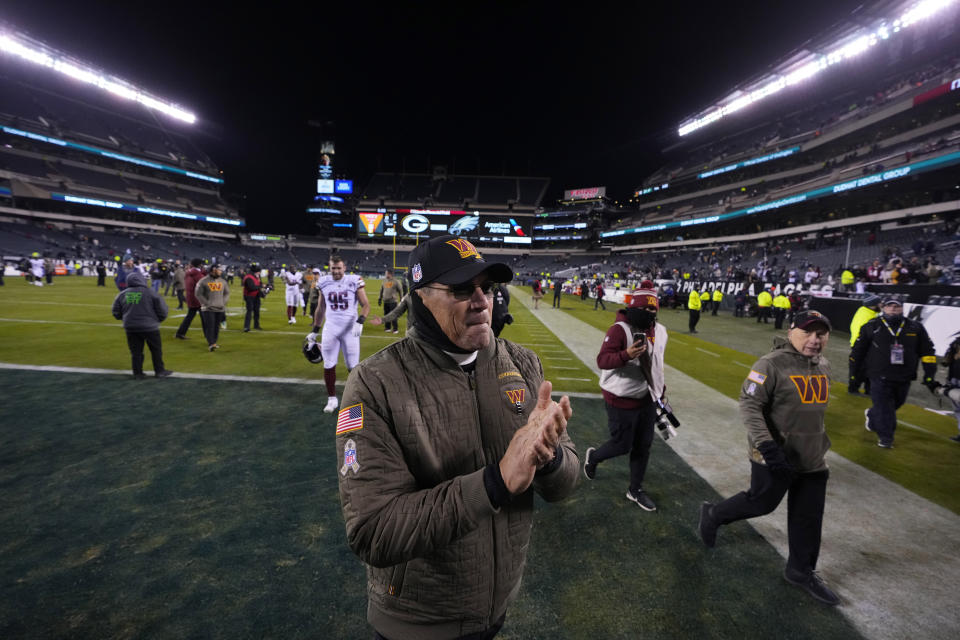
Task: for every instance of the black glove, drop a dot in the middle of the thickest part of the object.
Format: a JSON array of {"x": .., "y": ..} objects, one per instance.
[
  {"x": 931, "y": 384},
  {"x": 508, "y": 319},
  {"x": 775, "y": 458},
  {"x": 852, "y": 384}
]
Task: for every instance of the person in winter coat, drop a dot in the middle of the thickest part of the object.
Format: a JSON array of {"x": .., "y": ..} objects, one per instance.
[
  {"x": 142, "y": 310},
  {"x": 782, "y": 403}
]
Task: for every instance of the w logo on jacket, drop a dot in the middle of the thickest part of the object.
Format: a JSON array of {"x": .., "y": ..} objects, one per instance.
[{"x": 812, "y": 389}]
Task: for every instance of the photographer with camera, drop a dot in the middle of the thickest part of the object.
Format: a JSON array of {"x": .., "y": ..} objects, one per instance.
[
  {"x": 631, "y": 378},
  {"x": 782, "y": 403},
  {"x": 951, "y": 390}
]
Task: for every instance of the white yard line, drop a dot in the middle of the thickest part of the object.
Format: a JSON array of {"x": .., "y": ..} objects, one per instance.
[
  {"x": 117, "y": 325},
  {"x": 709, "y": 353}
]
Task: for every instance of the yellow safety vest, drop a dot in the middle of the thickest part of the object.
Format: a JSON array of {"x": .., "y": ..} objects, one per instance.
[
  {"x": 764, "y": 299},
  {"x": 717, "y": 295},
  {"x": 694, "y": 302},
  {"x": 860, "y": 318}
]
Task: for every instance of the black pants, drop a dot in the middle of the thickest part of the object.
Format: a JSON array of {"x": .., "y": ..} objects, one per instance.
[
  {"x": 738, "y": 311},
  {"x": 180, "y": 299},
  {"x": 600, "y": 303},
  {"x": 694, "y": 319},
  {"x": 497, "y": 325},
  {"x": 779, "y": 315},
  {"x": 887, "y": 397},
  {"x": 211, "y": 324},
  {"x": 101, "y": 281},
  {"x": 486, "y": 634},
  {"x": 253, "y": 311},
  {"x": 806, "y": 494},
  {"x": 716, "y": 307},
  {"x": 135, "y": 340},
  {"x": 763, "y": 315},
  {"x": 631, "y": 431},
  {"x": 556, "y": 298},
  {"x": 387, "y": 308},
  {"x": 187, "y": 319}
]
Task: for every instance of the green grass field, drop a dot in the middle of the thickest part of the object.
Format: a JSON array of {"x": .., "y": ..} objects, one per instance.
[
  {"x": 209, "y": 508},
  {"x": 720, "y": 356},
  {"x": 69, "y": 324}
]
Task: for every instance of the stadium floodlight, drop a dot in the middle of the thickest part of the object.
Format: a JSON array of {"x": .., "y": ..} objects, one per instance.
[
  {"x": 22, "y": 46},
  {"x": 814, "y": 63}
]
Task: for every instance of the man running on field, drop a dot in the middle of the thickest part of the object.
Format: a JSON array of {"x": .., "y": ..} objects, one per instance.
[{"x": 340, "y": 294}]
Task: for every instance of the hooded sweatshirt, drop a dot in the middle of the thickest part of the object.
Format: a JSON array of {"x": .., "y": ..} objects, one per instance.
[
  {"x": 212, "y": 293},
  {"x": 140, "y": 308}
]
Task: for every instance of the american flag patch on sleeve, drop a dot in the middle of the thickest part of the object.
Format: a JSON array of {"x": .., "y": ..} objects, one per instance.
[
  {"x": 759, "y": 378},
  {"x": 350, "y": 419}
]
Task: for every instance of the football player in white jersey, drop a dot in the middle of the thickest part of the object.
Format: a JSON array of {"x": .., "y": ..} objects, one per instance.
[
  {"x": 337, "y": 311},
  {"x": 293, "y": 279},
  {"x": 36, "y": 268}
]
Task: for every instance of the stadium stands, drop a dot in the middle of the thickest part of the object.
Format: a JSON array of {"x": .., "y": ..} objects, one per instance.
[{"x": 70, "y": 149}]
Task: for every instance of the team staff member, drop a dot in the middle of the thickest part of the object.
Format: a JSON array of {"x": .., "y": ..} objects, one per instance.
[
  {"x": 194, "y": 275},
  {"x": 781, "y": 306},
  {"x": 717, "y": 299},
  {"x": 443, "y": 439},
  {"x": 782, "y": 403},
  {"x": 867, "y": 312},
  {"x": 693, "y": 304},
  {"x": 394, "y": 316},
  {"x": 631, "y": 378},
  {"x": 599, "y": 291},
  {"x": 889, "y": 349},
  {"x": 213, "y": 292},
  {"x": 142, "y": 310},
  {"x": 391, "y": 291},
  {"x": 251, "y": 298},
  {"x": 501, "y": 309},
  {"x": 764, "y": 303}
]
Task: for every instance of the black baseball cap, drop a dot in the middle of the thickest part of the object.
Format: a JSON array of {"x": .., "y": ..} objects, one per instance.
[
  {"x": 805, "y": 319},
  {"x": 451, "y": 260}
]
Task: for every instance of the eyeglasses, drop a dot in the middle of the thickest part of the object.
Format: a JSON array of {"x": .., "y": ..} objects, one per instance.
[{"x": 465, "y": 290}]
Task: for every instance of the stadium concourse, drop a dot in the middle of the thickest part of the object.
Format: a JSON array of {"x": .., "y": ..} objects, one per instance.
[{"x": 883, "y": 545}]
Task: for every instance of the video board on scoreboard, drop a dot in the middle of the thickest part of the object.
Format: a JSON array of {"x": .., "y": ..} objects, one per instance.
[{"x": 427, "y": 223}]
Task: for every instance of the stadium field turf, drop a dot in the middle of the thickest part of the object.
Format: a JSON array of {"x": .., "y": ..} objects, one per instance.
[
  {"x": 186, "y": 508},
  {"x": 69, "y": 324},
  {"x": 209, "y": 508},
  {"x": 721, "y": 353}
]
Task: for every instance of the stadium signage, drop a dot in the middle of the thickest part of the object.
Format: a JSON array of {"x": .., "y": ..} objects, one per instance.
[
  {"x": 750, "y": 162},
  {"x": 936, "y": 92},
  {"x": 409, "y": 223},
  {"x": 109, "y": 154},
  {"x": 93, "y": 202},
  {"x": 591, "y": 193},
  {"x": 877, "y": 178}
]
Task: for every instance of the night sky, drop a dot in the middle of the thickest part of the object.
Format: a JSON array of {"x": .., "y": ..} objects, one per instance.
[{"x": 584, "y": 97}]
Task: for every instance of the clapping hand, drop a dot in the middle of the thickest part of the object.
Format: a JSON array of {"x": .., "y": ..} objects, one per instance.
[{"x": 535, "y": 443}]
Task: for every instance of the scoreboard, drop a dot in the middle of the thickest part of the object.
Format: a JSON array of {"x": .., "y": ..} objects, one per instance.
[{"x": 427, "y": 223}]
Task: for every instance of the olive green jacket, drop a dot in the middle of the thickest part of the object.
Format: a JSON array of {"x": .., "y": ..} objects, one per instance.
[{"x": 441, "y": 561}]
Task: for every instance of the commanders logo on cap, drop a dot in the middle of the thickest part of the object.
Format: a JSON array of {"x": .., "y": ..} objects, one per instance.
[
  {"x": 417, "y": 272},
  {"x": 465, "y": 247}
]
